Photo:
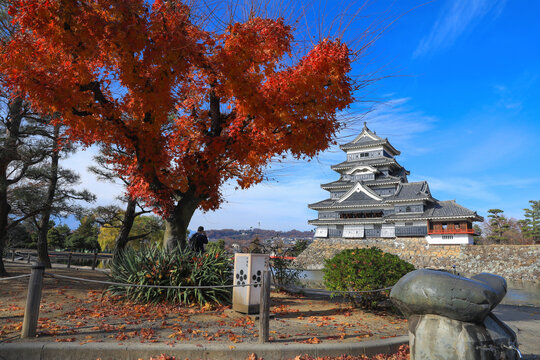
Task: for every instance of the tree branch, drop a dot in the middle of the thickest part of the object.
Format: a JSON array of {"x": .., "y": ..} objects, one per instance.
[{"x": 136, "y": 237}]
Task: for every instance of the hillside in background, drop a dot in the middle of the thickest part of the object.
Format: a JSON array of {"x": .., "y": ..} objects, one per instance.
[{"x": 246, "y": 236}]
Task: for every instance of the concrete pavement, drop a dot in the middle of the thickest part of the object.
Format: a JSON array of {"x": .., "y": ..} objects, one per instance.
[
  {"x": 269, "y": 351},
  {"x": 525, "y": 321}
]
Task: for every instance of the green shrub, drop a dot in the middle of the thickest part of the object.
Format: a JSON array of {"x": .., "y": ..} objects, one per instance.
[
  {"x": 283, "y": 269},
  {"x": 284, "y": 272},
  {"x": 364, "y": 269},
  {"x": 155, "y": 266},
  {"x": 216, "y": 246}
]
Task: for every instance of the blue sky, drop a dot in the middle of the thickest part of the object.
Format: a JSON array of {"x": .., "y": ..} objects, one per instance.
[{"x": 461, "y": 104}]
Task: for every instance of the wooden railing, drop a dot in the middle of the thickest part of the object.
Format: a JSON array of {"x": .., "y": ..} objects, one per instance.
[{"x": 450, "y": 231}]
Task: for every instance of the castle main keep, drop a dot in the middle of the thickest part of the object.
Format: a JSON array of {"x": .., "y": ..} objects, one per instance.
[{"x": 373, "y": 199}]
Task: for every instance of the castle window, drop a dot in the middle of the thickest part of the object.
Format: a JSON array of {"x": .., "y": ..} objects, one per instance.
[{"x": 408, "y": 209}]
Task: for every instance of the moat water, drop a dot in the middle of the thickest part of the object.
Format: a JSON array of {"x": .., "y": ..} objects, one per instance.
[{"x": 521, "y": 293}]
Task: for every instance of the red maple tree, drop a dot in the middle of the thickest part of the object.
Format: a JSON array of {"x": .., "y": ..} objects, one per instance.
[{"x": 188, "y": 107}]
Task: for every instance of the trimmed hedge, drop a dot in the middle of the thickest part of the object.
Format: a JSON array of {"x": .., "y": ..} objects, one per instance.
[{"x": 364, "y": 269}]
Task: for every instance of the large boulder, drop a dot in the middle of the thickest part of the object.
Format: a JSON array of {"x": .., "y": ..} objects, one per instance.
[
  {"x": 441, "y": 293},
  {"x": 450, "y": 316},
  {"x": 496, "y": 282}
]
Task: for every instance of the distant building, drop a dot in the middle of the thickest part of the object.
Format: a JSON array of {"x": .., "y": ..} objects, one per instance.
[{"x": 373, "y": 199}]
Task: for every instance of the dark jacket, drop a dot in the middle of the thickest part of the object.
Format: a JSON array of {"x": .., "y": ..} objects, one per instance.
[{"x": 197, "y": 241}]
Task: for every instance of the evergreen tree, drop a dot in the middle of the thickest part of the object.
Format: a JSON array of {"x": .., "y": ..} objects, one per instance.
[
  {"x": 531, "y": 224},
  {"x": 57, "y": 236},
  {"x": 18, "y": 236},
  {"x": 255, "y": 246},
  {"x": 59, "y": 196},
  {"x": 47, "y": 191},
  {"x": 498, "y": 224},
  {"x": 85, "y": 237},
  {"x": 477, "y": 236}
]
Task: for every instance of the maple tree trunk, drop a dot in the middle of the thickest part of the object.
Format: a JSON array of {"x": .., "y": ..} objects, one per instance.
[
  {"x": 177, "y": 224},
  {"x": 127, "y": 223},
  {"x": 8, "y": 153},
  {"x": 42, "y": 245}
]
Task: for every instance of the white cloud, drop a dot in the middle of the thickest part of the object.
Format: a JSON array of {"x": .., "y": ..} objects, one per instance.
[
  {"x": 79, "y": 162},
  {"x": 399, "y": 121},
  {"x": 459, "y": 187},
  {"x": 280, "y": 206},
  {"x": 487, "y": 192},
  {"x": 456, "y": 18}
]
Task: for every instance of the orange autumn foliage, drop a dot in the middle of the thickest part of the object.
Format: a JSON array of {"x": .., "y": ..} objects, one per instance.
[{"x": 146, "y": 79}]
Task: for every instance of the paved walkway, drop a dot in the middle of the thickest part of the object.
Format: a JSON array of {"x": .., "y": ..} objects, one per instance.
[{"x": 525, "y": 321}]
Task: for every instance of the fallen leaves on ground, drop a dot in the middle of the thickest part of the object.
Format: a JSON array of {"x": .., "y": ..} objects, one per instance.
[{"x": 71, "y": 312}]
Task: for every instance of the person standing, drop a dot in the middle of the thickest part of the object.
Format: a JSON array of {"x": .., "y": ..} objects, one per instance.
[{"x": 198, "y": 240}]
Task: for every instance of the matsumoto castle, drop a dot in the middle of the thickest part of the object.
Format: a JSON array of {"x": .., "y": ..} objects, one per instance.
[{"x": 373, "y": 199}]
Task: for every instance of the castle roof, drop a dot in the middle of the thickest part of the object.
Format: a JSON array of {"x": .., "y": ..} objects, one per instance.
[
  {"x": 382, "y": 161},
  {"x": 439, "y": 210},
  {"x": 367, "y": 139},
  {"x": 361, "y": 195},
  {"x": 411, "y": 191},
  {"x": 342, "y": 184},
  {"x": 349, "y": 203},
  {"x": 449, "y": 208}
]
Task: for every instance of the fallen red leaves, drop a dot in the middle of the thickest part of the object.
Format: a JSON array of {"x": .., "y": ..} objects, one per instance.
[
  {"x": 65, "y": 339},
  {"x": 402, "y": 354},
  {"x": 108, "y": 318}
]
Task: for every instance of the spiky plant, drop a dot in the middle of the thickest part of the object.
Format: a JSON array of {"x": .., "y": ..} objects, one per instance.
[{"x": 155, "y": 266}]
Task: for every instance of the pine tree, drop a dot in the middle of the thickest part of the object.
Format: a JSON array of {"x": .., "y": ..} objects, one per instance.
[
  {"x": 531, "y": 225},
  {"x": 498, "y": 224},
  {"x": 57, "y": 236},
  {"x": 85, "y": 237}
]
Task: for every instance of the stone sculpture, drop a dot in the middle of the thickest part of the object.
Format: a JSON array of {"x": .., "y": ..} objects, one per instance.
[{"x": 450, "y": 316}]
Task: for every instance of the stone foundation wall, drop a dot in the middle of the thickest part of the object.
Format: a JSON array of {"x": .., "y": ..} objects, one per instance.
[{"x": 513, "y": 262}]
